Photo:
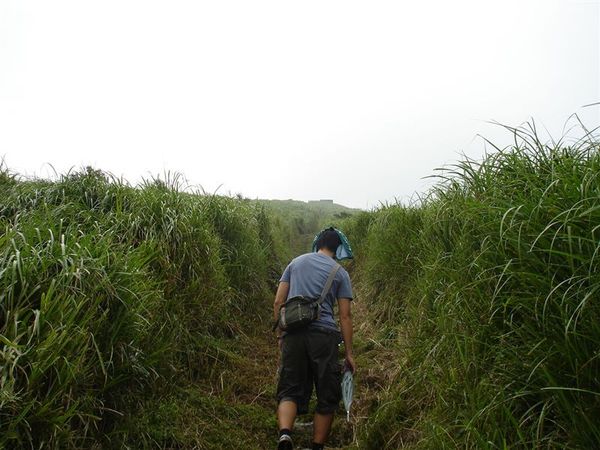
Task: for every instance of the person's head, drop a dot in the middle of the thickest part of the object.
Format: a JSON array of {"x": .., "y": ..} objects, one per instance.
[{"x": 329, "y": 240}]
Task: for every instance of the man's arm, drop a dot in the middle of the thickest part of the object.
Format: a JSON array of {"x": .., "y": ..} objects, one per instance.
[
  {"x": 346, "y": 326},
  {"x": 280, "y": 298}
]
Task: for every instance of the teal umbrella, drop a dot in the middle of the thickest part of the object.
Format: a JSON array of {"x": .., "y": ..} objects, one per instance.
[
  {"x": 347, "y": 391},
  {"x": 344, "y": 251}
]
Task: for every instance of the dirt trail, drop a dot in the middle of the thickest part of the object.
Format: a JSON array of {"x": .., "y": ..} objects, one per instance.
[{"x": 257, "y": 383}]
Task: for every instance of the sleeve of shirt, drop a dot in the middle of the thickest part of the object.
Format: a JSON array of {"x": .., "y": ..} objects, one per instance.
[
  {"x": 345, "y": 288},
  {"x": 286, "y": 274}
]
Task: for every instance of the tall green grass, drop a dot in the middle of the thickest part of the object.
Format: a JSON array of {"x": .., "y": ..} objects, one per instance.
[
  {"x": 112, "y": 296},
  {"x": 488, "y": 292}
]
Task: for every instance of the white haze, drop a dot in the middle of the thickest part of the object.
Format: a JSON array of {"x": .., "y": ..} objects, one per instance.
[{"x": 352, "y": 101}]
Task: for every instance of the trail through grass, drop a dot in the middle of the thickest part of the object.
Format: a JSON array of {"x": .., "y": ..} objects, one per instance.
[
  {"x": 135, "y": 317},
  {"x": 139, "y": 317}
]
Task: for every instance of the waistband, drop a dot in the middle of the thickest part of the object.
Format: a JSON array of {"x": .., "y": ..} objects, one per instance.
[{"x": 315, "y": 329}]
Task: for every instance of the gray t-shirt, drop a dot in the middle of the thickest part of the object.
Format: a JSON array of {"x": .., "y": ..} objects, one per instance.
[{"x": 307, "y": 275}]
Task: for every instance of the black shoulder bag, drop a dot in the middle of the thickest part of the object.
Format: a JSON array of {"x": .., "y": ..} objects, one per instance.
[{"x": 299, "y": 311}]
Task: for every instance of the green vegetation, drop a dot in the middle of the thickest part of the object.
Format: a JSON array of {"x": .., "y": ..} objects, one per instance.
[
  {"x": 296, "y": 222},
  {"x": 140, "y": 317},
  {"x": 124, "y": 314},
  {"x": 485, "y": 295}
]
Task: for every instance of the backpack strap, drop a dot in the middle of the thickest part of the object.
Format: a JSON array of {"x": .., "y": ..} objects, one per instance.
[{"x": 329, "y": 282}]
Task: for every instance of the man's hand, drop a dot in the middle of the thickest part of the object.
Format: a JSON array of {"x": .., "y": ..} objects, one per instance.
[{"x": 350, "y": 364}]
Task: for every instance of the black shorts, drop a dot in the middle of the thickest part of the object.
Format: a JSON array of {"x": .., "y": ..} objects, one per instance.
[{"x": 310, "y": 357}]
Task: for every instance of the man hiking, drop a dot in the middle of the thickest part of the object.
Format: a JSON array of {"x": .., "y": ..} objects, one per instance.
[{"x": 309, "y": 355}]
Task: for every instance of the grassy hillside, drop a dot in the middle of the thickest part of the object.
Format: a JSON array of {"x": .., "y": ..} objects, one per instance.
[
  {"x": 299, "y": 221},
  {"x": 123, "y": 314},
  {"x": 485, "y": 298}
]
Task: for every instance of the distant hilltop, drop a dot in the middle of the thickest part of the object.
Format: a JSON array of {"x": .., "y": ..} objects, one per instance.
[
  {"x": 306, "y": 219},
  {"x": 321, "y": 204}
]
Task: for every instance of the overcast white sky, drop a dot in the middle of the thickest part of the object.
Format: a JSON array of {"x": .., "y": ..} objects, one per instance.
[{"x": 353, "y": 101}]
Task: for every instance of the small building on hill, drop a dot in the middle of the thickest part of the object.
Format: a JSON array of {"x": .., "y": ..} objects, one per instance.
[{"x": 321, "y": 202}]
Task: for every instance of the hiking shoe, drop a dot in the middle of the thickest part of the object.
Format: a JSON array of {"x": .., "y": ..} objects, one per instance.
[{"x": 285, "y": 442}]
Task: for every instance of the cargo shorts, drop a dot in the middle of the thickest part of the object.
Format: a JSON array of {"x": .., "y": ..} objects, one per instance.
[{"x": 309, "y": 358}]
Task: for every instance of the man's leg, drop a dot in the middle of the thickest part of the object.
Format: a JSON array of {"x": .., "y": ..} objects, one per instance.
[
  {"x": 322, "y": 427},
  {"x": 291, "y": 387},
  {"x": 286, "y": 414},
  {"x": 327, "y": 375}
]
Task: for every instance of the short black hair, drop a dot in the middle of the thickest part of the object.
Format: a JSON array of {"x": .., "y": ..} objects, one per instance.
[{"x": 329, "y": 239}]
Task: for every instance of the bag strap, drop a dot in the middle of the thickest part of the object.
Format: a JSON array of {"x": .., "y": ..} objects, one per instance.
[{"x": 329, "y": 282}]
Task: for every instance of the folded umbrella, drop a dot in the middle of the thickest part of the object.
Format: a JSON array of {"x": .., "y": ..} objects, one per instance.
[{"x": 347, "y": 391}]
